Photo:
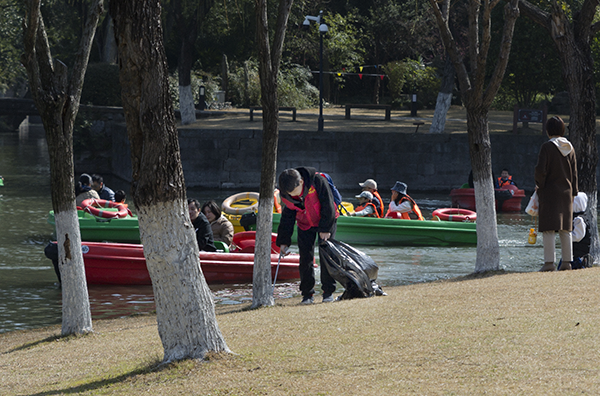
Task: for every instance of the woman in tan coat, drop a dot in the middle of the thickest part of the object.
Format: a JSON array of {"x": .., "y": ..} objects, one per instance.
[
  {"x": 556, "y": 185},
  {"x": 221, "y": 227}
]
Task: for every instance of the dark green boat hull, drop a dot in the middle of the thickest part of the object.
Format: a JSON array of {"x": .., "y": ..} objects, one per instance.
[
  {"x": 394, "y": 232},
  {"x": 126, "y": 230}
]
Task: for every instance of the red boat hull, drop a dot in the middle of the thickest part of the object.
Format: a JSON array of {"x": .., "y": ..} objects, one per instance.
[
  {"x": 125, "y": 264},
  {"x": 465, "y": 198}
]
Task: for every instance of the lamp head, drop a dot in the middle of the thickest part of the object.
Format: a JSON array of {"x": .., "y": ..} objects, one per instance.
[
  {"x": 323, "y": 28},
  {"x": 306, "y": 23}
]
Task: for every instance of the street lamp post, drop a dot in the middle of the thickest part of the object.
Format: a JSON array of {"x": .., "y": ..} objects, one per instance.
[{"x": 322, "y": 30}]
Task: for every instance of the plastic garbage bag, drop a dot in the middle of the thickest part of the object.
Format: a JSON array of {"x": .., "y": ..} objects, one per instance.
[{"x": 353, "y": 269}]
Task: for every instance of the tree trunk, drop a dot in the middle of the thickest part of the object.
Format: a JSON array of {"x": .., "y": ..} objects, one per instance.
[
  {"x": 57, "y": 95},
  {"x": 187, "y": 108},
  {"x": 478, "y": 99},
  {"x": 578, "y": 67},
  {"x": 480, "y": 150},
  {"x": 269, "y": 61},
  {"x": 109, "y": 49},
  {"x": 444, "y": 99},
  {"x": 185, "y": 310},
  {"x": 573, "y": 42}
]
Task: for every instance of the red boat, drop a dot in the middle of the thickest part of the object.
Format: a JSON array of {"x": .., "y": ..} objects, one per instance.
[
  {"x": 508, "y": 198},
  {"x": 124, "y": 264}
]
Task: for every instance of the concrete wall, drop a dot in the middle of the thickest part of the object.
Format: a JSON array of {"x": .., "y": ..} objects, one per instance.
[{"x": 230, "y": 159}]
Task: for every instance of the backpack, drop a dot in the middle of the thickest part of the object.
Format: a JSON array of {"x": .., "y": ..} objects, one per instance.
[{"x": 337, "y": 197}]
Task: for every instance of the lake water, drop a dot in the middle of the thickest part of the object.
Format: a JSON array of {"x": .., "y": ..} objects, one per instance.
[{"x": 30, "y": 297}]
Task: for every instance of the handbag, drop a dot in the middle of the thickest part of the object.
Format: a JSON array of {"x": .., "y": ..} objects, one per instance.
[{"x": 533, "y": 205}]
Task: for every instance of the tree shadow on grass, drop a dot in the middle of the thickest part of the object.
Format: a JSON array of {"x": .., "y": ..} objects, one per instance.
[{"x": 153, "y": 366}]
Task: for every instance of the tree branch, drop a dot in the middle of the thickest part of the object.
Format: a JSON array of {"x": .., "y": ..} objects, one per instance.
[
  {"x": 450, "y": 45},
  {"x": 282, "y": 18},
  {"x": 536, "y": 14},
  {"x": 83, "y": 55},
  {"x": 511, "y": 13}
]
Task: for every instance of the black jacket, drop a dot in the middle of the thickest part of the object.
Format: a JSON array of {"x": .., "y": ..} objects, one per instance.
[{"x": 204, "y": 234}]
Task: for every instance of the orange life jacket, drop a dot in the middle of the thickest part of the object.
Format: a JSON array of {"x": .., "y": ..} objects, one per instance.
[
  {"x": 507, "y": 182},
  {"x": 380, "y": 210},
  {"x": 311, "y": 214},
  {"x": 406, "y": 215},
  {"x": 375, "y": 212}
]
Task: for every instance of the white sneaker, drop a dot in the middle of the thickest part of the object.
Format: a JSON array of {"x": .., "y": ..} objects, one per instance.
[
  {"x": 307, "y": 300},
  {"x": 328, "y": 299}
]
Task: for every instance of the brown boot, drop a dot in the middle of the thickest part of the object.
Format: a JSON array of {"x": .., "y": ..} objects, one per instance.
[
  {"x": 564, "y": 266},
  {"x": 549, "y": 266}
]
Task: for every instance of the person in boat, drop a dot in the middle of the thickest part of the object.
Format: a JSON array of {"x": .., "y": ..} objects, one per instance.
[
  {"x": 222, "y": 228},
  {"x": 84, "y": 189},
  {"x": 103, "y": 191},
  {"x": 556, "y": 186},
  {"x": 308, "y": 202},
  {"x": 120, "y": 196},
  {"x": 505, "y": 179},
  {"x": 366, "y": 206},
  {"x": 370, "y": 185},
  {"x": 204, "y": 234},
  {"x": 402, "y": 205}
]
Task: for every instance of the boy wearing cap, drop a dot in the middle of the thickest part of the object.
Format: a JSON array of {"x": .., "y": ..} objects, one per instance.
[
  {"x": 308, "y": 202},
  {"x": 366, "y": 206},
  {"x": 370, "y": 185},
  {"x": 403, "y": 206}
]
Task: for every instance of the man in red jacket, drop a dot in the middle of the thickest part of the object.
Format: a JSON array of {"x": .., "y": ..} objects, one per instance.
[{"x": 308, "y": 201}]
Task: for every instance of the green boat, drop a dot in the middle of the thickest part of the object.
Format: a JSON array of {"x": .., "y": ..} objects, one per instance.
[
  {"x": 394, "y": 232},
  {"x": 93, "y": 229}
]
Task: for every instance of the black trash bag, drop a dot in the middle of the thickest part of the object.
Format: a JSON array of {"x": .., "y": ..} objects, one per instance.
[
  {"x": 51, "y": 251},
  {"x": 352, "y": 268},
  {"x": 248, "y": 221}
]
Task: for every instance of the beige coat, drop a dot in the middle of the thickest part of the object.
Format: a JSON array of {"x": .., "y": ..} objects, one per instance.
[
  {"x": 86, "y": 195},
  {"x": 222, "y": 230},
  {"x": 556, "y": 180}
]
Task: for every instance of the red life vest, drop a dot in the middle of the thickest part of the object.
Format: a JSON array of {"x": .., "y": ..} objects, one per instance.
[
  {"x": 507, "y": 182},
  {"x": 406, "y": 215},
  {"x": 311, "y": 214},
  {"x": 375, "y": 212}
]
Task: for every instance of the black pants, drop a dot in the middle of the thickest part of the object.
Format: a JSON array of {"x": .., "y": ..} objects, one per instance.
[{"x": 306, "y": 246}]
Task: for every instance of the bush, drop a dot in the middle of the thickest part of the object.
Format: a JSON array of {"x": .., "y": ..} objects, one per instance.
[
  {"x": 101, "y": 86},
  {"x": 198, "y": 78},
  {"x": 412, "y": 77},
  {"x": 294, "y": 89}
]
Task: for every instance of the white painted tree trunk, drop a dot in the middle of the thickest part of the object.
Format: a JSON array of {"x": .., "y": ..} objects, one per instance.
[
  {"x": 438, "y": 124},
  {"x": 77, "y": 317},
  {"x": 186, "y": 105},
  {"x": 488, "y": 249},
  {"x": 185, "y": 309},
  {"x": 262, "y": 290}
]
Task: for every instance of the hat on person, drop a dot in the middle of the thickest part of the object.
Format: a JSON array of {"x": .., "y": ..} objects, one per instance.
[
  {"x": 369, "y": 183},
  {"x": 580, "y": 203},
  {"x": 400, "y": 187},
  {"x": 365, "y": 194}
]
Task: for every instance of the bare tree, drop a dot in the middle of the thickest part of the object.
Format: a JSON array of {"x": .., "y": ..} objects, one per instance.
[
  {"x": 478, "y": 99},
  {"x": 573, "y": 31},
  {"x": 184, "y": 306},
  {"x": 269, "y": 61},
  {"x": 56, "y": 94}
]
